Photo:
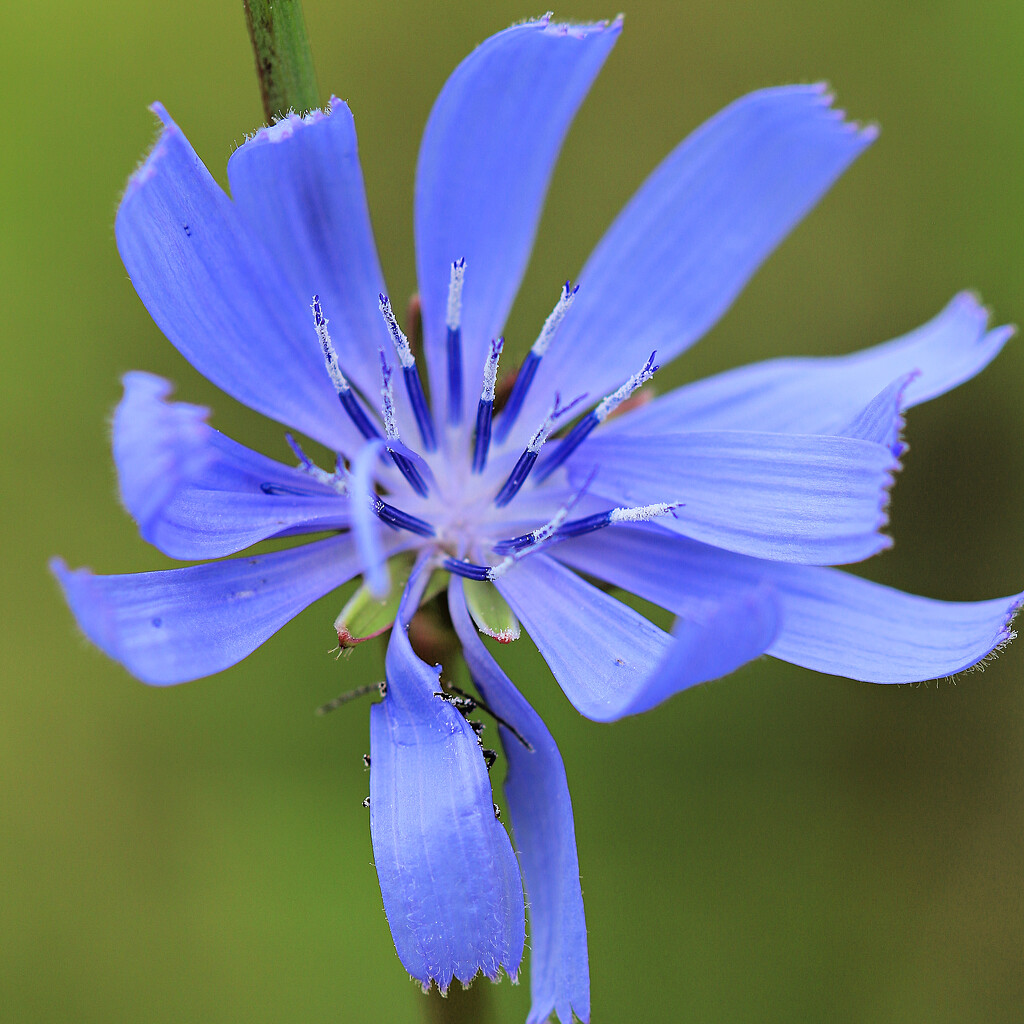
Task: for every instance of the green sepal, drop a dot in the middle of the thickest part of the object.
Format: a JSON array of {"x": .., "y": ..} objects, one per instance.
[
  {"x": 365, "y": 617},
  {"x": 490, "y": 612}
]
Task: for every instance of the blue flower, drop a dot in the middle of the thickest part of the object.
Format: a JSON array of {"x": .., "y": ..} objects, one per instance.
[{"x": 724, "y": 501}]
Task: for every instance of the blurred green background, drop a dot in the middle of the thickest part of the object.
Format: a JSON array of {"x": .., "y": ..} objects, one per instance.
[{"x": 779, "y": 846}]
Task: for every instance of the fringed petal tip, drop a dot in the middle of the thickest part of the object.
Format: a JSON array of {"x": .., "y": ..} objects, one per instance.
[
  {"x": 292, "y": 122},
  {"x": 158, "y": 446},
  {"x": 867, "y": 132},
  {"x": 576, "y": 30},
  {"x": 494, "y": 977},
  {"x": 147, "y": 165},
  {"x": 1003, "y": 638}
]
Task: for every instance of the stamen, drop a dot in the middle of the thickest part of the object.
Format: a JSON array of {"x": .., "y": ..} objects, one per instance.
[
  {"x": 413, "y": 384},
  {"x": 582, "y": 430},
  {"x": 525, "y": 543},
  {"x": 346, "y": 395},
  {"x": 480, "y": 573},
  {"x": 485, "y": 407},
  {"x": 405, "y": 465},
  {"x": 454, "y": 325},
  {"x": 529, "y": 368},
  {"x": 640, "y": 514},
  {"x": 335, "y": 480},
  {"x": 399, "y": 520},
  {"x": 526, "y": 461}
]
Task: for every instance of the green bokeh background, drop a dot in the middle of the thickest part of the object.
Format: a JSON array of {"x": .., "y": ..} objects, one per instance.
[{"x": 780, "y": 846}]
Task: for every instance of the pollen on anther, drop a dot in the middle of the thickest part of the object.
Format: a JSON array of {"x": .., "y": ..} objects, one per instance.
[
  {"x": 402, "y": 346},
  {"x": 453, "y": 320}
]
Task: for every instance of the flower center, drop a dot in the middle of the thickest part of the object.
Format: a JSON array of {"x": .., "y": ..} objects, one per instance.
[{"x": 459, "y": 496}]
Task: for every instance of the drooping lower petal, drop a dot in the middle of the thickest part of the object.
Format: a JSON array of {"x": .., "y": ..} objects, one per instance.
[
  {"x": 179, "y": 624},
  {"x": 831, "y": 621},
  {"x": 299, "y": 188},
  {"x": 219, "y": 296},
  {"x": 487, "y": 155},
  {"x": 819, "y": 395},
  {"x": 196, "y": 493},
  {"x": 691, "y": 238},
  {"x": 541, "y": 810},
  {"x": 450, "y": 882},
  {"x": 794, "y": 497}
]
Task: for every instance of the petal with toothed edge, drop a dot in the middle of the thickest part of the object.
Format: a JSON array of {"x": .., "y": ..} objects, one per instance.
[
  {"x": 818, "y": 395},
  {"x": 487, "y": 155},
  {"x": 691, "y": 238},
  {"x": 831, "y": 621},
  {"x": 450, "y": 881},
  {"x": 790, "y": 497},
  {"x": 299, "y": 188},
  {"x": 157, "y": 447},
  {"x": 219, "y": 296},
  {"x": 196, "y": 493},
  {"x": 179, "y": 624},
  {"x": 542, "y": 823}
]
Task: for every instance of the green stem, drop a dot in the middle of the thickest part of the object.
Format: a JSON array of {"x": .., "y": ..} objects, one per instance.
[{"x": 284, "y": 63}]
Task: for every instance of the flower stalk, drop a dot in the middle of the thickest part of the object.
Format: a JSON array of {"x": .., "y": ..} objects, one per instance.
[{"x": 284, "y": 62}]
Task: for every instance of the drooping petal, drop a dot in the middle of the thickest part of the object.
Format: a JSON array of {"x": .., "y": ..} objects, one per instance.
[
  {"x": 791, "y": 497},
  {"x": 691, "y": 238},
  {"x": 179, "y": 624},
  {"x": 819, "y": 395},
  {"x": 542, "y": 821},
  {"x": 831, "y": 621},
  {"x": 487, "y": 155},
  {"x": 219, "y": 296},
  {"x": 196, "y": 493},
  {"x": 449, "y": 879},
  {"x": 299, "y": 188}
]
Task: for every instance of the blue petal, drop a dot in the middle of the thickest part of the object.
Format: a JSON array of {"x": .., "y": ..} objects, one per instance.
[
  {"x": 541, "y": 810},
  {"x": 831, "y": 621},
  {"x": 790, "y": 497},
  {"x": 487, "y": 155},
  {"x": 365, "y": 525},
  {"x": 218, "y": 295},
  {"x": 196, "y": 493},
  {"x": 180, "y": 624},
  {"x": 449, "y": 878},
  {"x": 157, "y": 446},
  {"x": 820, "y": 395},
  {"x": 299, "y": 188},
  {"x": 881, "y": 420},
  {"x": 691, "y": 238}
]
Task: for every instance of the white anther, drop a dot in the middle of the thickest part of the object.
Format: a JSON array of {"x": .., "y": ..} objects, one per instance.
[
  {"x": 491, "y": 370},
  {"x": 554, "y": 320},
  {"x": 402, "y": 346},
  {"x": 610, "y": 403},
  {"x": 499, "y": 570},
  {"x": 454, "y": 317},
  {"x": 642, "y": 513},
  {"x": 543, "y": 432},
  {"x": 330, "y": 356},
  {"x": 387, "y": 400}
]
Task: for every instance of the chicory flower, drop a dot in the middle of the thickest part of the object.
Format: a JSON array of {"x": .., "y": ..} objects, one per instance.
[{"x": 725, "y": 501}]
